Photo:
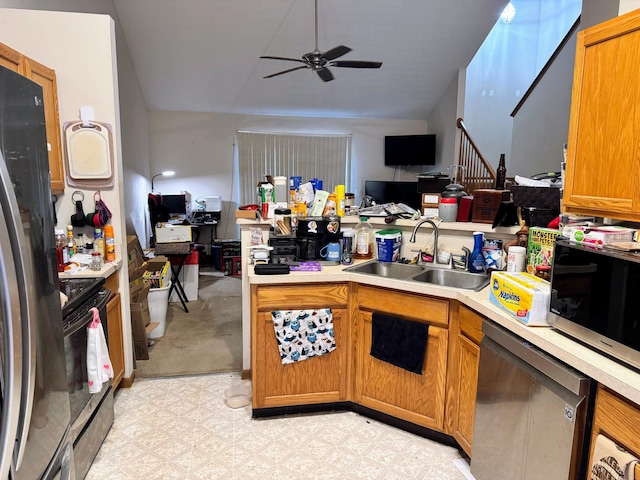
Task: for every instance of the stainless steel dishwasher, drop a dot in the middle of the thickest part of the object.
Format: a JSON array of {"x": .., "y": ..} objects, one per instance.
[{"x": 530, "y": 414}]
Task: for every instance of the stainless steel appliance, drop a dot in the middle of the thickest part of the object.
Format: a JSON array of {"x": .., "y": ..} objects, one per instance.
[
  {"x": 91, "y": 414},
  {"x": 530, "y": 415},
  {"x": 34, "y": 400},
  {"x": 594, "y": 298}
]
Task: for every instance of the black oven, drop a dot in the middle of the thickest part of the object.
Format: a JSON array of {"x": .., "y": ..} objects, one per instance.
[
  {"x": 595, "y": 298},
  {"x": 91, "y": 414}
]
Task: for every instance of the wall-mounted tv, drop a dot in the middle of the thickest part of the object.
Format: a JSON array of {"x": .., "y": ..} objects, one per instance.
[{"x": 405, "y": 150}]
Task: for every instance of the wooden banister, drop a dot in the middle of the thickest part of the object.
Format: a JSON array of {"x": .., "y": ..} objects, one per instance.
[{"x": 475, "y": 171}]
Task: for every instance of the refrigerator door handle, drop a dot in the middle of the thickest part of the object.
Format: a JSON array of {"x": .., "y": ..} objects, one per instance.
[
  {"x": 12, "y": 318},
  {"x": 24, "y": 280}
]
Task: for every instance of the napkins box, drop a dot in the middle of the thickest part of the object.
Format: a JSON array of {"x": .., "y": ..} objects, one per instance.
[{"x": 525, "y": 296}]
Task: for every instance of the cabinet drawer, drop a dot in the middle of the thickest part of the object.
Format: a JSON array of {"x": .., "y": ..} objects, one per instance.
[
  {"x": 278, "y": 297},
  {"x": 407, "y": 305}
]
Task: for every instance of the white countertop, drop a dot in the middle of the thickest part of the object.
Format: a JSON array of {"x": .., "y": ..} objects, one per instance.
[
  {"x": 106, "y": 270},
  {"x": 617, "y": 377}
]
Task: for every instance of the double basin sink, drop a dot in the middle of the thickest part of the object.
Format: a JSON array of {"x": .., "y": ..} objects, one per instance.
[{"x": 423, "y": 274}]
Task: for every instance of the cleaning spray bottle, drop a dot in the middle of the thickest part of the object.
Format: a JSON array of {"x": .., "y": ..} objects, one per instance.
[{"x": 476, "y": 259}]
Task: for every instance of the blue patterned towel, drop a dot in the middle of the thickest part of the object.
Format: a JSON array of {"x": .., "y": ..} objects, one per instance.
[{"x": 303, "y": 334}]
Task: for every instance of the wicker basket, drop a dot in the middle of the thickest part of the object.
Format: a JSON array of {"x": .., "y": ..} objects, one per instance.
[{"x": 177, "y": 248}]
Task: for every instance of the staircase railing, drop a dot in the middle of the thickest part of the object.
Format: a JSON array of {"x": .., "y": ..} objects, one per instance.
[{"x": 475, "y": 171}]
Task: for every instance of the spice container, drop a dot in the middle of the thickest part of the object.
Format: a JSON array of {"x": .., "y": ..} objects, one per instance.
[{"x": 96, "y": 261}]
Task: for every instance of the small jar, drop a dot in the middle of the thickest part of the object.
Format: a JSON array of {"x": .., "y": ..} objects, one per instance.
[
  {"x": 448, "y": 209},
  {"x": 282, "y": 221},
  {"x": 96, "y": 261}
]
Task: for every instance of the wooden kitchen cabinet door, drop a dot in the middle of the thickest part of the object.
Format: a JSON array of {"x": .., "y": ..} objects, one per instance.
[
  {"x": 379, "y": 385},
  {"x": 603, "y": 155},
  {"x": 466, "y": 333},
  {"x": 46, "y": 78},
  {"x": 114, "y": 333}
]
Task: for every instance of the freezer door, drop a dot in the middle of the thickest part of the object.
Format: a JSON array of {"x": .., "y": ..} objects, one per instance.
[
  {"x": 526, "y": 425},
  {"x": 26, "y": 201}
]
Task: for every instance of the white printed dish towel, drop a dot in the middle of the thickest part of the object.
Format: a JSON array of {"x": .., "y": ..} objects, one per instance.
[
  {"x": 99, "y": 368},
  {"x": 303, "y": 334},
  {"x": 611, "y": 461}
]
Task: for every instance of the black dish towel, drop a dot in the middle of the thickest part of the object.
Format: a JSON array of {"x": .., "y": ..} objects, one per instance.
[{"x": 401, "y": 342}]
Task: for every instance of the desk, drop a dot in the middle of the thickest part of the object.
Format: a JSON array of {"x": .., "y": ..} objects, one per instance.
[
  {"x": 175, "y": 277},
  {"x": 213, "y": 231}
]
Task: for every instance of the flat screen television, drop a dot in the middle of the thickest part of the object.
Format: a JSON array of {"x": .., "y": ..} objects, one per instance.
[
  {"x": 406, "y": 150},
  {"x": 177, "y": 204}
]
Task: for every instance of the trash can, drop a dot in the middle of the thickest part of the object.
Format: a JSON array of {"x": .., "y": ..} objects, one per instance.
[{"x": 158, "y": 304}]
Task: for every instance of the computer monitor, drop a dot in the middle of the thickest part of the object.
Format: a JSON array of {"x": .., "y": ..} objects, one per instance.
[
  {"x": 396, "y": 192},
  {"x": 177, "y": 204}
]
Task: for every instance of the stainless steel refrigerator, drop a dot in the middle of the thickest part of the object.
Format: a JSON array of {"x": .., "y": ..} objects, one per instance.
[{"x": 34, "y": 398}]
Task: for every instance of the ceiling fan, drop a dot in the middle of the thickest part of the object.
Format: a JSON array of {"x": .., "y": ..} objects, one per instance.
[{"x": 320, "y": 62}]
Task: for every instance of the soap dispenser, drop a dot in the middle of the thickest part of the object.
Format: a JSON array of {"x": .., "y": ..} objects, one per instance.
[{"x": 476, "y": 259}]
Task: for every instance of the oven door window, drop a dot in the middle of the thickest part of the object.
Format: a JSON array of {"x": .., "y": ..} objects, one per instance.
[{"x": 75, "y": 346}]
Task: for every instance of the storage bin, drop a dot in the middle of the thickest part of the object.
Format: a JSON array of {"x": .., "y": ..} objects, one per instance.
[{"x": 158, "y": 304}]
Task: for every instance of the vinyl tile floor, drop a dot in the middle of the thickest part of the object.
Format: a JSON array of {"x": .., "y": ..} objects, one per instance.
[{"x": 181, "y": 428}]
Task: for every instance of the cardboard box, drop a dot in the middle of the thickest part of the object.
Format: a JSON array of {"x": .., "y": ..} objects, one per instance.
[
  {"x": 142, "y": 350},
  {"x": 598, "y": 236},
  {"x": 486, "y": 203},
  {"x": 525, "y": 296},
  {"x": 540, "y": 247},
  {"x": 250, "y": 214},
  {"x": 135, "y": 257},
  {"x": 170, "y": 233},
  {"x": 157, "y": 272},
  {"x": 430, "y": 199}
]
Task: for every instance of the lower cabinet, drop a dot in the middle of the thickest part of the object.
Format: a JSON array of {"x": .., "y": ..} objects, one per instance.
[
  {"x": 618, "y": 420},
  {"x": 379, "y": 385},
  {"x": 322, "y": 379},
  {"x": 114, "y": 330},
  {"x": 466, "y": 335}
]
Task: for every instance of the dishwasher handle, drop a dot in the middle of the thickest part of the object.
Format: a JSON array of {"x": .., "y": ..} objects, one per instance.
[{"x": 569, "y": 378}]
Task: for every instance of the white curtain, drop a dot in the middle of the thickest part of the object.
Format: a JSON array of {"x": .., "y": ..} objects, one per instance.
[{"x": 325, "y": 157}]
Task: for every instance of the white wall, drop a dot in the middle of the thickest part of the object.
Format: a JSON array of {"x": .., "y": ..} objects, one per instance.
[
  {"x": 199, "y": 147},
  {"x": 86, "y": 74}
]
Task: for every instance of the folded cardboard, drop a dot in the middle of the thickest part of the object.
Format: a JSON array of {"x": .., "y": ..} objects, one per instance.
[
  {"x": 170, "y": 233},
  {"x": 525, "y": 296},
  {"x": 135, "y": 257},
  {"x": 250, "y": 214},
  {"x": 142, "y": 350}
]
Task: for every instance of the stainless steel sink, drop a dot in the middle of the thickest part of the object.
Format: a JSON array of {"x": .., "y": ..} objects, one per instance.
[
  {"x": 423, "y": 274},
  {"x": 398, "y": 271},
  {"x": 453, "y": 278}
]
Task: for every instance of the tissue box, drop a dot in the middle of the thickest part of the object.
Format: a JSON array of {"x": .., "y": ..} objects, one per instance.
[
  {"x": 598, "y": 236},
  {"x": 525, "y": 296}
]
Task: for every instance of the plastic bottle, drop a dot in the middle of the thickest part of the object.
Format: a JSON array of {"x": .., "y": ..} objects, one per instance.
[
  {"x": 98, "y": 241},
  {"x": 71, "y": 242},
  {"x": 364, "y": 237},
  {"x": 109, "y": 244},
  {"x": 476, "y": 259},
  {"x": 80, "y": 243},
  {"x": 501, "y": 173},
  {"x": 347, "y": 247},
  {"x": 62, "y": 255}
]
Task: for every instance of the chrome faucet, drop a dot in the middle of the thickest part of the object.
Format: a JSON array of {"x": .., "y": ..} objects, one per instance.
[{"x": 412, "y": 239}]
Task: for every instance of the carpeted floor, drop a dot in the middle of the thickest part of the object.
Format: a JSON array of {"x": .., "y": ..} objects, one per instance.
[{"x": 208, "y": 339}]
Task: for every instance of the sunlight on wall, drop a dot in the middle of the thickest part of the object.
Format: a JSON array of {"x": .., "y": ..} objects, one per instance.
[{"x": 505, "y": 66}]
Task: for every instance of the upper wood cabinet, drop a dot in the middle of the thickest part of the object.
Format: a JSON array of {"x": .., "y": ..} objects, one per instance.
[
  {"x": 46, "y": 78},
  {"x": 603, "y": 156}
]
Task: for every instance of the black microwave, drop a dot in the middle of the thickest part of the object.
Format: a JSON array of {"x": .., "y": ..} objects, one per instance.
[{"x": 595, "y": 298}]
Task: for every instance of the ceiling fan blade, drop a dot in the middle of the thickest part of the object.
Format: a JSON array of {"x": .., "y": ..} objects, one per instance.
[
  {"x": 284, "y": 58},
  {"x": 355, "y": 64},
  {"x": 325, "y": 74},
  {"x": 286, "y": 71},
  {"x": 336, "y": 52}
]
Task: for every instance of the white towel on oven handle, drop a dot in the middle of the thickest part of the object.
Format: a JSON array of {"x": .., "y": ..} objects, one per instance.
[{"x": 99, "y": 368}]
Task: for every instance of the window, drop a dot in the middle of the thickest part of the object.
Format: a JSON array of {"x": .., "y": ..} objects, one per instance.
[{"x": 326, "y": 157}]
